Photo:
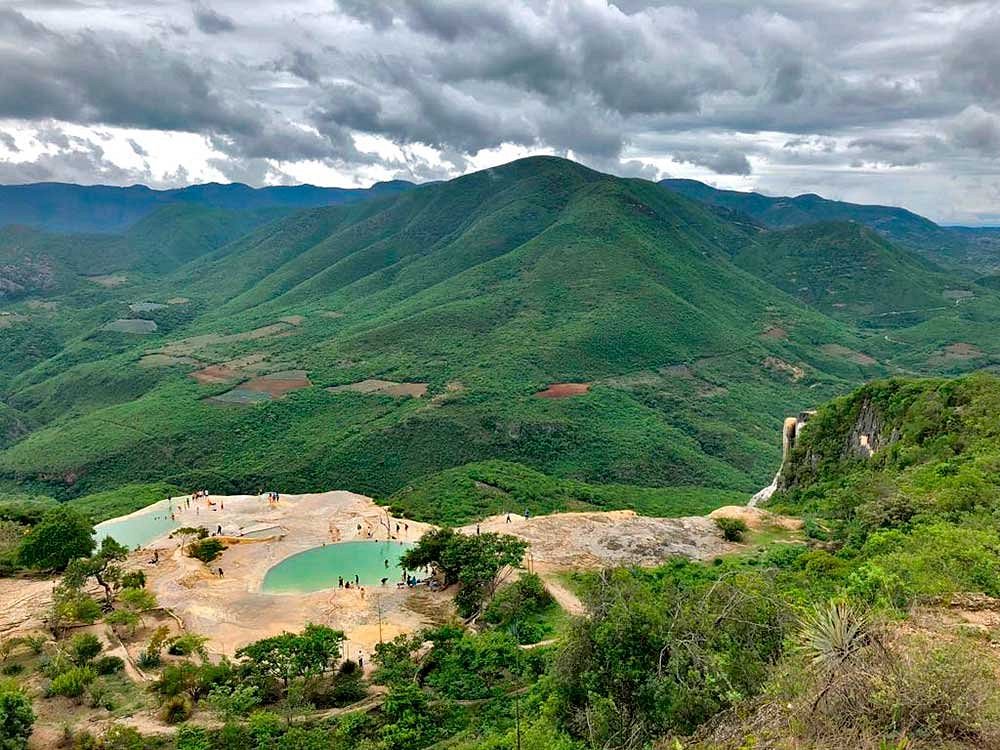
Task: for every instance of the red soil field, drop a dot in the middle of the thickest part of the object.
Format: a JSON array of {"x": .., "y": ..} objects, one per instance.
[
  {"x": 279, "y": 383},
  {"x": 564, "y": 390}
]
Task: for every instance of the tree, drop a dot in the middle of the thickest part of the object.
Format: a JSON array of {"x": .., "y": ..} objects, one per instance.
[
  {"x": 16, "y": 719},
  {"x": 71, "y": 605},
  {"x": 84, "y": 647},
  {"x": 430, "y": 550},
  {"x": 103, "y": 567},
  {"x": 62, "y": 535},
  {"x": 292, "y": 656},
  {"x": 477, "y": 562},
  {"x": 655, "y": 659}
]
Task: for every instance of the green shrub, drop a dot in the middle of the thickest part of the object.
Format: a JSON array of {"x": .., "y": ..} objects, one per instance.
[
  {"x": 16, "y": 719},
  {"x": 733, "y": 529},
  {"x": 205, "y": 550},
  {"x": 14, "y": 668},
  {"x": 134, "y": 579},
  {"x": 73, "y": 682},
  {"x": 53, "y": 665},
  {"x": 188, "y": 644},
  {"x": 99, "y": 696},
  {"x": 62, "y": 535},
  {"x": 176, "y": 708},
  {"x": 193, "y": 738},
  {"x": 84, "y": 647},
  {"x": 233, "y": 702},
  {"x": 524, "y": 597},
  {"x": 108, "y": 665},
  {"x": 120, "y": 737}
]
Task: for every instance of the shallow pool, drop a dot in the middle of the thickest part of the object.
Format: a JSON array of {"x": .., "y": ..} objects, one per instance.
[
  {"x": 138, "y": 530},
  {"x": 320, "y": 567}
]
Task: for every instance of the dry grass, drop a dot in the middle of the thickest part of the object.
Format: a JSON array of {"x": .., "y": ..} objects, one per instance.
[{"x": 386, "y": 387}]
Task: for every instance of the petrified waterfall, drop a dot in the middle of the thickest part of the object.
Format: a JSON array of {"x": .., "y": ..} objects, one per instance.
[{"x": 789, "y": 432}]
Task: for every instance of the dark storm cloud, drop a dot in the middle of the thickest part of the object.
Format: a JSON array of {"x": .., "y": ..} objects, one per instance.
[
  {"x": 210, "y": 22},
  {"x": 723, "y": 161},
  {"x": 718, "y": 84},
  {"x": 8, "y": 142},
  {"x": 90, "y": 78},
  {"x": 977, "y": 130}
]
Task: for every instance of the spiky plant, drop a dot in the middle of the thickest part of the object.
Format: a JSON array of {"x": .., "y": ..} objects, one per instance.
[{"x": 834, "y": 634}]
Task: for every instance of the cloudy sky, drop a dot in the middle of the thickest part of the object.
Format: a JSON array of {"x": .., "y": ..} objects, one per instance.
[{"x": 888, "y": 101}]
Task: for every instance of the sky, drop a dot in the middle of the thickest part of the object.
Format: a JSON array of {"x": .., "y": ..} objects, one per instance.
[{"x": 873, "y": 101}]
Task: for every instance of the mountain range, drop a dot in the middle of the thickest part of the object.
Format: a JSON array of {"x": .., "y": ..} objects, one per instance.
[
  {"x": 620, "y": 343},
  {"x": 965, "y": 249},
  {"x": 62, "y": 207}
]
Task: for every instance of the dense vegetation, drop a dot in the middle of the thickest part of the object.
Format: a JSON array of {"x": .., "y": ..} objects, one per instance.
[
  {"x": 961, "y": 248},
  {"x": 839, "y": 641},
  {"x": 488, "y": 289}
]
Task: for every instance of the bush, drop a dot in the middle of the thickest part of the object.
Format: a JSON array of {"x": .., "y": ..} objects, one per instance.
[
  {"x": 134, "y": 579},
  {"x": 53, "y": 665},
  {"x": 119, "y": 737},
  {"x": 177, "y": 708},
  {"x": 205, "y": 550},
  {"x": 73, "y": 682},
  {"x": 733, "y": 529},
  {"x": 108, "y": 665},
  {"x": 99, "y": 696},
  {"x": 151, "y": 655},
  {"x": 233, "y": 702},
  {"x": 524, "y": 597},
  {"x": 193, "y": 738},
  {"x": 12, "y": 669},
  {"x": 84, "y": 647},
  {"x": 16, "y": 719},
  {"x": 188, "y": 644},
  {"x": 192, "y": 679}
]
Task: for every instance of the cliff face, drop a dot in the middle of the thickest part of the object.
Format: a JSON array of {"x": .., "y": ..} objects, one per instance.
[
  {"x": 868, "y": 434},
  {"x": 855, "y": 428}
]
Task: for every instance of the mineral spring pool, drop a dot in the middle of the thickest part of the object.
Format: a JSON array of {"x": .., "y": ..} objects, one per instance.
[
  {"x": 320, "y": 567},
  {"x": 140, "y": 529}
]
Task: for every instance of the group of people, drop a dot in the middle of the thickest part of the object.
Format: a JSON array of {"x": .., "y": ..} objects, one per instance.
[{"x": 273, "y": 498}]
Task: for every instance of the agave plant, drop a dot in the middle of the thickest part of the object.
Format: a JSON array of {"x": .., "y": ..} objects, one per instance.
[{"x": 833, "y": 634}]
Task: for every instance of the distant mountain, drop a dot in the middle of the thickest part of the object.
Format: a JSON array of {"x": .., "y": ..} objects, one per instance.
[
  {"x": 974, "y": 249},
  {"x": 849, "y": 271},
  {"x": 60, "y": 207},
  {"x": 34, "y": 262},
  {"x": 479, "y": 292}
]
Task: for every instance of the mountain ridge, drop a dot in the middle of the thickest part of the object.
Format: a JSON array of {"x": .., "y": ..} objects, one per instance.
[
  {"x": 67, "y": 207},
  {"x": 973, "y": 249}
]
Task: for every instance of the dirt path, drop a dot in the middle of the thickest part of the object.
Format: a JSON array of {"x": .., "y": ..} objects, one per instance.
[{"x": 566, "y": 599}]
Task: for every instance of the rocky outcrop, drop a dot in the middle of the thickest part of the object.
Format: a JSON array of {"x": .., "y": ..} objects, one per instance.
[{"x": 868, "y": 434}]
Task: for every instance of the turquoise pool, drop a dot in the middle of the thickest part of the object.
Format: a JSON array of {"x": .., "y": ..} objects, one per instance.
[
  {"x": 320, "y": 567},
  {"x": 139, "y": 530}
]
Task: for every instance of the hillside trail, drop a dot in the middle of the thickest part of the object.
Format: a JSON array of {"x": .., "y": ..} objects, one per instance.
[{"x": 566, "y": 599}]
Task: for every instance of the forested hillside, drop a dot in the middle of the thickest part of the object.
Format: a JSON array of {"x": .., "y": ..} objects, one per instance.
[
  {"x": 598, "y": 330},
  {"x": 960, "y": 248}
]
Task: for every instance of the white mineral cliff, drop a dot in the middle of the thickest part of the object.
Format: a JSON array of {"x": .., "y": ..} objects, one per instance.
[{"x": 789, "y": 433}]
